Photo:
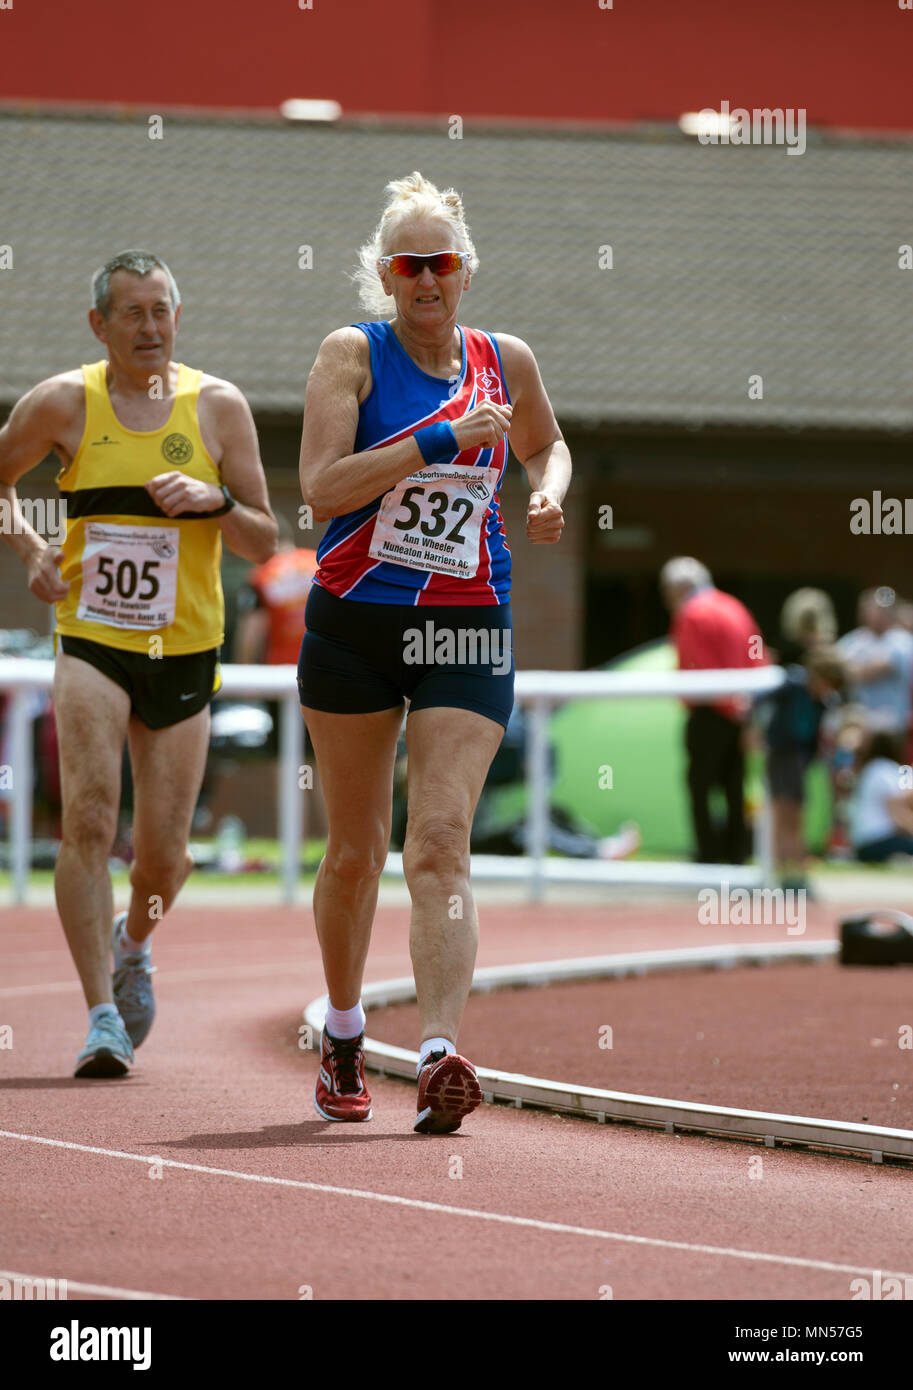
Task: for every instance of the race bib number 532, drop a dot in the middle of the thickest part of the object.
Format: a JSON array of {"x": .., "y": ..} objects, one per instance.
[
  {"x": 432, "y": 520},
  {"x": 129, "y": 575}
]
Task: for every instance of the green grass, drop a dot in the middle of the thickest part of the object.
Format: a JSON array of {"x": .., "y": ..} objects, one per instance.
[
  {"x": 39, "y": 878},
  {"x": 265, "y": 849},
  {"x": 269, "y": 850}
]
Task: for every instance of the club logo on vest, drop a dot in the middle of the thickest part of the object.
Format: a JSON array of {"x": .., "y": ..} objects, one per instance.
[
  {"x": 178, "y": 449},
  {"x": 488, "y": 384}
]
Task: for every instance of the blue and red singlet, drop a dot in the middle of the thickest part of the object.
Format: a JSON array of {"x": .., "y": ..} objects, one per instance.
[{"x": 436, "y": 537}]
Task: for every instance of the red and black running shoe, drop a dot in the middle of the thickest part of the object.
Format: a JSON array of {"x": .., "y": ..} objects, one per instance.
[
  {"x": 448, "y": 1090},
  {"x": 341, "y": 1093}
]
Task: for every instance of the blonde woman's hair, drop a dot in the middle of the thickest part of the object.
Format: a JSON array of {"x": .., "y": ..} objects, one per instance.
[
  {"x": 808, "y": 616},
  {"x": 411, "y": 199}
]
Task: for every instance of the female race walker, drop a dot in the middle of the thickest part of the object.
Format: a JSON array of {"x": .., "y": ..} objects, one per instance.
[{"x": 404, "y": 447}]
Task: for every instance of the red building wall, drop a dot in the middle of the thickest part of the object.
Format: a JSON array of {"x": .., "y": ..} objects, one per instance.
[{"x": 846, "y": 62}]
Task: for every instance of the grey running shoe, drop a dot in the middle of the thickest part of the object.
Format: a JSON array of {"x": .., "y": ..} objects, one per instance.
[
  {"x": 133, "y": 987},
  {"x": 108, "y": 1050}
]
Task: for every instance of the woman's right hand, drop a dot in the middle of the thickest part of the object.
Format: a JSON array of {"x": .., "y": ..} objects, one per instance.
[{"x": 486, "y": 425}]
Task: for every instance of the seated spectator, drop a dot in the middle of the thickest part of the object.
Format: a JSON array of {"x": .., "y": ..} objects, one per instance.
[
  {"x": 847, "y": 735},
  {"x": 881, "y": 810}
]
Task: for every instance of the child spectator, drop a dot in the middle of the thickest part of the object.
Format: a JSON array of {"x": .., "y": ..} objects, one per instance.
[
  {"x": 790, "y": 718},
  {"x": 881, "y": 810}
]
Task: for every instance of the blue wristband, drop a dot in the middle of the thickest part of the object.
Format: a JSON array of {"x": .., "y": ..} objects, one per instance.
[{"x": 437, "y": 443}]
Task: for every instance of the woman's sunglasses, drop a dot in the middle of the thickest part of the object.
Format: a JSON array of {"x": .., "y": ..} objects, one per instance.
[{"x": 438, "y": 262}]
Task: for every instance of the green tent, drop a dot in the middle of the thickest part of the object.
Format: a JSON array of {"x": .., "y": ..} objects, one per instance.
[{"x": 624, "y": 760}]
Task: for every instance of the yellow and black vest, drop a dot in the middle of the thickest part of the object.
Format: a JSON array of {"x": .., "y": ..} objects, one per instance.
[{"x": 139, "y": 580}]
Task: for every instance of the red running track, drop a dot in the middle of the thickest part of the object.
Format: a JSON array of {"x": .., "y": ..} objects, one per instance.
[{"x": 210, "y": 1176}]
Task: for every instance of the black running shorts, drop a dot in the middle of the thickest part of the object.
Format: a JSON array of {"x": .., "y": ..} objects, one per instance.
[
  {"x": 357, "y": 658},
  {"x": 163, "y": 690},
  {"x": 786, "y": 769}
]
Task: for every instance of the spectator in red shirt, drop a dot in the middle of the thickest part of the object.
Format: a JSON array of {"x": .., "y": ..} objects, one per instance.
[{"x": 712, "y": 630}]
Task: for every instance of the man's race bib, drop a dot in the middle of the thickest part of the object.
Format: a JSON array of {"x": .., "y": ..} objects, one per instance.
[
  {"x": 129, "y": 575},
  {"x": 432, "y": 520}
]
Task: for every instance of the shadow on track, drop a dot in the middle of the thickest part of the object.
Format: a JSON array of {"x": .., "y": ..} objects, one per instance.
[
  {"x": 60, "y": 1083},
  {"x": 314, "y": 1133}
]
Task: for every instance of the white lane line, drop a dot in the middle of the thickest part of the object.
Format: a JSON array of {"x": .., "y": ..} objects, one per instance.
[
  {"x": 203, "y": 973},
  {"x": 21, "y": 991},
  {"x": 104, "y": 1290},
  {"x": 528, "y": 1222}
]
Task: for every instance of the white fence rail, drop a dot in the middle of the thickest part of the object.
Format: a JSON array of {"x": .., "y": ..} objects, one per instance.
[{"x": 540, "y": 691}]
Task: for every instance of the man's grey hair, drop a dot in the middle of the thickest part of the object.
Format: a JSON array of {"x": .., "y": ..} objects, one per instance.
[
  {"x": 684, "y": 572},
  {"x": 137, "y": 263}
]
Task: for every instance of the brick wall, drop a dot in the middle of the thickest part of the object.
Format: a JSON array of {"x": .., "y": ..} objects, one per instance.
[
  {"x": 548, "y": 581},
  {"x": 18, "y": 608}
]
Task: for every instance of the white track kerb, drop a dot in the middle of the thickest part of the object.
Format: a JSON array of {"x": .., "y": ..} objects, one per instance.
[{"x": 838, "y": 1137}]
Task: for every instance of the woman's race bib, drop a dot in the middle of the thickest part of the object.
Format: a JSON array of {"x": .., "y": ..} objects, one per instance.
[
  {"x": 432, "y": 520},
  {"x": 129, "y": 575}
]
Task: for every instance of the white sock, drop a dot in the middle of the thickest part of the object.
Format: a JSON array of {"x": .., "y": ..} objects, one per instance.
[
  {"x": 433, "y": 1045},
  {"x": 99, "y": 1011},
  {"x": 131, "y": 947},
  {"x": 345, "y": 1023},
  {"x": 124, "y": 945}
]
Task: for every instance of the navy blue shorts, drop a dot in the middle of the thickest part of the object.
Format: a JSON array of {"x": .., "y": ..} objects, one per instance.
[{"x": 357, "y": 658}]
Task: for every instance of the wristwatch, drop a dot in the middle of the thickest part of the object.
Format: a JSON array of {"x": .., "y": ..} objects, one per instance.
[{"x": 226, "y": 505}]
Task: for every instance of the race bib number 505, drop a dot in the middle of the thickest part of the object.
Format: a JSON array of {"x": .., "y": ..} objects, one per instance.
[
  {"x": 432, "y": 520},
  {"x": 129, "y": 575}
]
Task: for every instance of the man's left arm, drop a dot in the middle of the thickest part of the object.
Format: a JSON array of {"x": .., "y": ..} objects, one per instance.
[{"x": 249, "y": 527}]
